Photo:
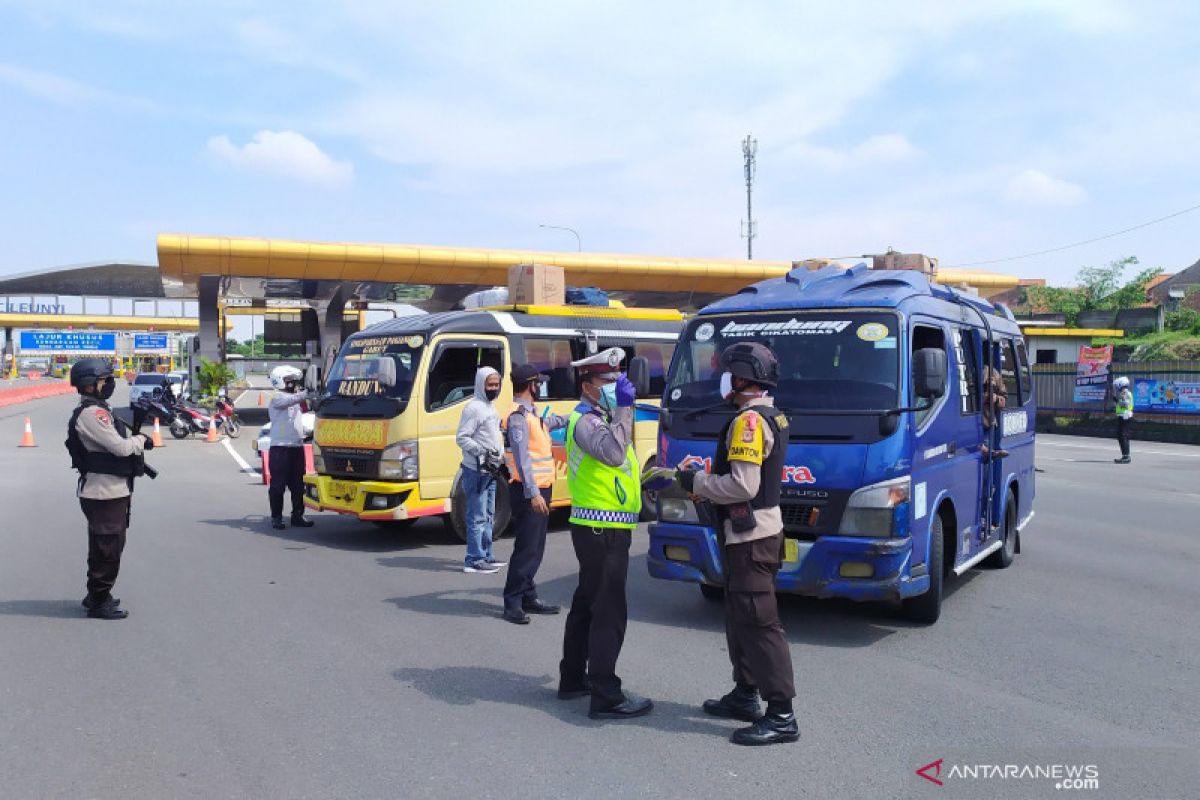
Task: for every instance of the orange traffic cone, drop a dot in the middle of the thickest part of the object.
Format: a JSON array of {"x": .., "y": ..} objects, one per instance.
[
  {"x": 212, "y": 429},
  {"x": 27, "y": 439},
  {"x": 262, "y": 399},
  {"x": 156, "y": 439}
]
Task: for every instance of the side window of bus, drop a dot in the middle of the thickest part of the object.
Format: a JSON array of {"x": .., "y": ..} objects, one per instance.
[
  {"x": 924, "y": 336},
  {"x": 452, "y": 378},
  {"x": 1008, "y": 372},
  {"x": 553, "y": 357},
  {"x": 1026, "y": 373},
  {"x": 968, "y": 372}
]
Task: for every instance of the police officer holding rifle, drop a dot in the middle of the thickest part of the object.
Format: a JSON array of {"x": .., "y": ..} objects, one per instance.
[
  {"x": 745, "y": 486},
  {"x": 108, "y": 456}
]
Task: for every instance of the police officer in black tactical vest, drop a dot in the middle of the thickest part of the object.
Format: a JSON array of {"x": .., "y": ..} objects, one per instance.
[
  {"x": 745, "y": 486},
  {"x": 109, "y": 458}
]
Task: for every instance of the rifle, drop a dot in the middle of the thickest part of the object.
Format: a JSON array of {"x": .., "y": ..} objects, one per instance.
[{"x": 139, "y": 416}]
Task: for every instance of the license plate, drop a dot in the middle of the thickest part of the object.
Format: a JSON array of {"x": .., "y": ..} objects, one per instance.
[
  {"x": 343, "y": 490},
  {"x": 791, "y": 550}
]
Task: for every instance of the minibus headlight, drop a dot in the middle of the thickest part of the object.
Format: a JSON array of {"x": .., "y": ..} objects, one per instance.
[
  {"x": 879, "y": 510},
  {"x": 318, "y": 459},
  {"x": 673, "y": 509},
  {"x": 400, "y": 461}
]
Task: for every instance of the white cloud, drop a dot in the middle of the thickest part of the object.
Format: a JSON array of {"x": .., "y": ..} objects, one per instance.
[
  {"x": 887, "y": 148},
  {"x": 1034, "y": 187},
  {"x": 63, "y": 91},
  {"x": 282, "y": 153}
]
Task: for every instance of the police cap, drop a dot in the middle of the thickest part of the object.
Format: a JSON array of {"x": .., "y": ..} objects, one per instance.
[{"x": 605, "y": 364}]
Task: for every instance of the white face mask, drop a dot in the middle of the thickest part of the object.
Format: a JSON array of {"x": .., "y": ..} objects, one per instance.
[{"x": 726, "y": 385}]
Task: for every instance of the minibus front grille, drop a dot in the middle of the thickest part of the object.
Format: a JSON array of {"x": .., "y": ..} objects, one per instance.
[{"x": 348, "y": 463}]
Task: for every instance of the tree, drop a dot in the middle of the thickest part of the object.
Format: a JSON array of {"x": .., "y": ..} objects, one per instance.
[
  {"x": 1097, "y": 288},
  {"x": 213, "y": 377}
]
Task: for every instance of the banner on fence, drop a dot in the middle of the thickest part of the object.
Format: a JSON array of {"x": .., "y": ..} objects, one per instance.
[
  {"x": 1091, "y": 374},
  {"x": 1166, "y": 397}
]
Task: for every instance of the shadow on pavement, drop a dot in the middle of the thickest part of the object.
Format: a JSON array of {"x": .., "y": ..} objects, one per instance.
[
  {"x": 451, "y": 603},
  {"x": 341, "y": 533},
  {"x": 64, "y": 609},
  {"x": 424, "y": 563},
  {"x": 464, "y": 686}
]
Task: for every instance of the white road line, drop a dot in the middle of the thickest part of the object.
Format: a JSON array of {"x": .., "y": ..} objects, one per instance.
[
  {"x": 1140, "y": 451},
  {"x": 241, "y": 462}
]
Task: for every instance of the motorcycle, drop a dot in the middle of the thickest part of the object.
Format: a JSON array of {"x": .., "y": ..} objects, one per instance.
[{"x": 227, "y": 415}]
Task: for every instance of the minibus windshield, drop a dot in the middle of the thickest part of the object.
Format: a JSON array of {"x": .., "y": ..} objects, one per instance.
[
  {"x": 828, "y": 360},
  {"x": 356, "y": 370}
]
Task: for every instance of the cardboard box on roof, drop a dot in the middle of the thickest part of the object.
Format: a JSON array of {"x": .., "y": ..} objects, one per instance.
[{"x": 536, "y": 284}]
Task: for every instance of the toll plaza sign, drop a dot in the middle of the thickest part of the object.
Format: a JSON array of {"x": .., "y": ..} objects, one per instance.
[
  {"x": 68, "y": 342},
  {"x": 149, "y": 341}
]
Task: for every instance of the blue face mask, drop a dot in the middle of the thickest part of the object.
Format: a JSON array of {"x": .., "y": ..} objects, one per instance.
[{"x": 608, "y": 397}]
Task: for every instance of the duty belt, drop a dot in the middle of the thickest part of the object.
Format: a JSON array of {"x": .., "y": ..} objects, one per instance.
[{"x": 599, "y": 515}]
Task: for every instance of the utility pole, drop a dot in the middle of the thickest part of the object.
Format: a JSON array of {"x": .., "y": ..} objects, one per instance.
[{"x": 749, "y": 227}]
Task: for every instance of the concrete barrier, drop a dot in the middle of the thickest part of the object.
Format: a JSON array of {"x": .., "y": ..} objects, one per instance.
[{"x": 23, "y": 394}]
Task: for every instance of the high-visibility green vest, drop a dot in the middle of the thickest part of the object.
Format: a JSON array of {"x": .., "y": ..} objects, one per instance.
[
  {"x": 601, "y": 496},
  {"x": 1124, "y": 401}
]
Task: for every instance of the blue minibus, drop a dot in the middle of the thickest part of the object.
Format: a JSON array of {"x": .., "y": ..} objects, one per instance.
[{"x": 901, "y": 472}]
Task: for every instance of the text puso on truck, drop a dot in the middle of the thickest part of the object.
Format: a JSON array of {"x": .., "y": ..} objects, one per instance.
[
  {"x": 384, "y": 447},
  {"x": 896, "y": 477}
]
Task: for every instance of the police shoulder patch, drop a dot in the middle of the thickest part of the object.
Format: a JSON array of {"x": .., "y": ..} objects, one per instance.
[
  {"x": 746, "y": 439},
  {"x": 103, "y": 417}
]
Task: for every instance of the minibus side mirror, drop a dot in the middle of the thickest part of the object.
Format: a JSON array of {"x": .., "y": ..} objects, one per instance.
[
  {"x": 311, "y": 382},
  {"x": 639, "y": 374},
  {"x": 929, "y": 372},
  {"x": 387, "y": 372}
]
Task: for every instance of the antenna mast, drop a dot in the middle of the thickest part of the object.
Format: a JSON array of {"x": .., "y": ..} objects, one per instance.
[{"x": 749, "y": 226}]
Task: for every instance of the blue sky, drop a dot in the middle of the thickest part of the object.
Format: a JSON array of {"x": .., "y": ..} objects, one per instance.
[{"x": 970, "y": 131}]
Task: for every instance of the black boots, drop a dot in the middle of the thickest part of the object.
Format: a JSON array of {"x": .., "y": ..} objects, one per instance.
[
  {"x": 298, "y": 521},
  {"x": 277, "y": 523},
  {"x": 741, "y": 703},
  {"x": 1123, "y": 460},
  {"x": 107, "y": 608},
  {"x": 777, "y": 726}
]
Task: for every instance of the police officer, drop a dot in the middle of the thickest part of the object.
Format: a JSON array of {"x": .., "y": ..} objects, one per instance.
[
  {"x": 1123, "y": 408},
  {"x": 286, "y": 454},
  {"x": 606, "y": 499},
  {"x": 745, "y": 485},
  {"x": 108, "y": 459},
  {"x": 531, "y": 466}
]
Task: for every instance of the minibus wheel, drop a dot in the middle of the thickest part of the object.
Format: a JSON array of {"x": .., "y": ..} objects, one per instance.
[
  {"x": 1004, "y": 556},
  {"x": 457, "y": 519},
  {"x": 926, "y": 608}
]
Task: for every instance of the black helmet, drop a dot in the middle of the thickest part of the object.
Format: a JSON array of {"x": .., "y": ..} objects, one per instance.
[
  {"x": 753, "y": 362},
  {"x": 90, "y": 371}
]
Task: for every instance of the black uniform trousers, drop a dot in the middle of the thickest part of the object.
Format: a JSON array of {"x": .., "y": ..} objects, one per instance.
[
  {"x": 1123, "y": 435},
  {"x": 757, "y": 647},
  {"x": 529, "y": 545},
  {"x": 107, "y": 522},
  {"x": 287, "y": 472},
  {"x": 595, "y": 628}
]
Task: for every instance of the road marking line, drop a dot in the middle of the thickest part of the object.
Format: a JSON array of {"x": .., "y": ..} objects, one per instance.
[
  {"x": 241, "y": 462},
  {"x": 1099, "y": 447}
]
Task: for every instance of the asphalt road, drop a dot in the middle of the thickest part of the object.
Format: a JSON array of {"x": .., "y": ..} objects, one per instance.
[{"x": 345, "y": 662}]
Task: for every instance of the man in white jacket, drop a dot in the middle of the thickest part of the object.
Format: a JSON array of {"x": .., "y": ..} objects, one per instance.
[
  {"x": 286, "y": 454},
  {"x": 482, "y": 447}
]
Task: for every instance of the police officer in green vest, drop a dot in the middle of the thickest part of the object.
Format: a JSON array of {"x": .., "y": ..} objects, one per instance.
[
  {"x": 1124, "y": 411},
  {"x": 606, "y": 499}
]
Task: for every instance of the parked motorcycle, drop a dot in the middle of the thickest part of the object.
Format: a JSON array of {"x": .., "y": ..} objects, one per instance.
[{"x": 227, "y": 415}]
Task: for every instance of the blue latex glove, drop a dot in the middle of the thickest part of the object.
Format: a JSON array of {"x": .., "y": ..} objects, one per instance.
[{"x": 626, "y": 393}]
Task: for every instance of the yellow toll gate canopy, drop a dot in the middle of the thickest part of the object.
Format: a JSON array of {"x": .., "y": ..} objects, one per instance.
[
  {"x": 99, "y": 322},
  {"x": 188, "y": 258}
]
